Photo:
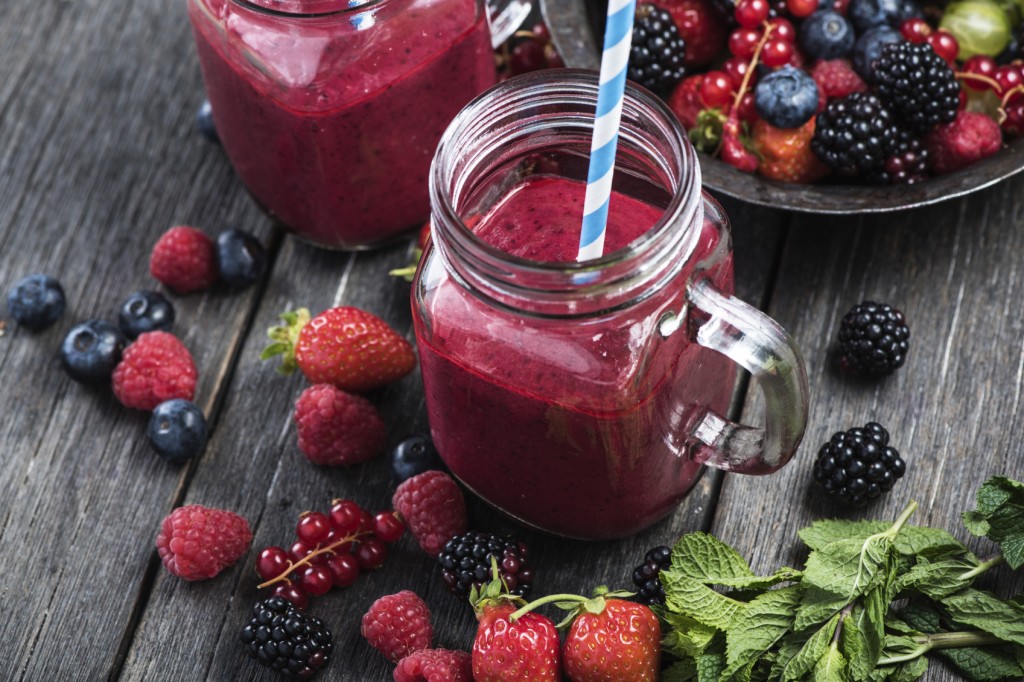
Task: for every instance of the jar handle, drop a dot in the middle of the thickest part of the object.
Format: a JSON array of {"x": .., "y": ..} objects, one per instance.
[{"x": 757, "y": 343}]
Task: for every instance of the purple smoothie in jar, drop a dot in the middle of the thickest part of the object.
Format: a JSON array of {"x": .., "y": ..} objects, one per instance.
[{"x": 330, "y": 114}]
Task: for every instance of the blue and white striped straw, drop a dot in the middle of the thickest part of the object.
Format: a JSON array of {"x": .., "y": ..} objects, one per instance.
[{"x": 618, "y": 37}]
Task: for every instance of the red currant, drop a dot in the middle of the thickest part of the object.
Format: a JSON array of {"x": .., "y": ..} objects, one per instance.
[
  {"x": 736, "y": 68},
  {"x": 346, "y": 516},
  {"x": 541, "y": 33},
  {"x": 1008, "y": 78},
  {"x": 751, "y": 13},
  {"x": 271, "y": 562},
  {"x": 802, "y": 8},
  {"x": 840, "y": 6},
  {"x": 916, "y": 30},
  {"x": 944, "y": 44},
  {"x": 743, "y": 42},
  {"x": 716, "y": 89},
  {"x": 313, "y": 528},
  {"x": 746, "y": 110},
  {"x": 980, "y": 65},
  {"x": 782, "y": 28},
  {"x": 387, "y": 527},
  {"x": 1014, "y": 123},
  {"x": 371, "y": 554},
  {"x": 776, "y": 52},
  {"x": 293, "y": 593},
  {"x": 317, "y": 580},
  {"x": 299, "y": 550},
  {"x": 344, "y": 569},
  {"x": 527, "y": 56}
]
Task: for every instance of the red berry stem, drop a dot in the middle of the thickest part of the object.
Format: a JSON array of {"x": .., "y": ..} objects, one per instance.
[
  {"x": 742, "y": 90},
  {"x": 307, "y": 560},
  {"x": 1007, "y": 96},
  {"x": 964, "y": 76}
]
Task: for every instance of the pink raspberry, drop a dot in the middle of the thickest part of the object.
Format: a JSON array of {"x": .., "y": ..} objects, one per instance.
[
  {"x": 336, "y": 427},
  {"x": 398, "y": 625},
  {"x": 836, "y": 78},
  {"x": 968, "y": 139},
  {"x": 154, "y": 368},
  {"x": 184, "y": 259},
  {"x": 435, "y": 665},
  {"x": 196, "y": 543},
  {"x": 433, "y": 508}
]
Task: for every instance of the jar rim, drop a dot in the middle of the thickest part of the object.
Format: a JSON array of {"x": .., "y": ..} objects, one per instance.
[{"x": 310, "y": 8}]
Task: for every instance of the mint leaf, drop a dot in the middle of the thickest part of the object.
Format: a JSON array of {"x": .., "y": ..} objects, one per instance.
[
  {"x": 910, "y": 671},
  {"x": 689, "y": 597},
  {"x": 912, "y": 541},
  {"x": 831, "y": 667},
  {"x": 680, "y": 671},
  {"x": 1000, "y": 517},
  {"x": 759, "y": 626},
  {"x": 686, "y": 638},
  {"x": 985, "y": 612},
  {"x": 988, "y": 663},
  {"x": 801, "y": 665},
  {"x": 936, "y": 580},
  {"x": 863, "y": 634},
  {"x": 708, "y": 559},
  {"x": 921, "y": 616},
  {"x": 709, "y": 667}
]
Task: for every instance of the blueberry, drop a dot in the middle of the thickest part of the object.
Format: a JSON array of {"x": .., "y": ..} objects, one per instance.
[
  {"x": 91, "y": 350},
  {"x": 786, "y": 98},
  {"x": 36, "y": 302},
  {"x": 867, "y": 14},
  {"x": 204, "y": 121},
  {"x": 868, "y": 49},
  {"x": 145, "y": 311},
  {"x": 241, "y": 259},
  {"x": 826, "y": 35},
  {"x": 412, "y": 457},
  {"x": 177, "y": 430}
]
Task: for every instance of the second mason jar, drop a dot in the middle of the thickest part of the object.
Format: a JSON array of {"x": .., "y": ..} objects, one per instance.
[
  {"x": 584, "y": 397},
  {"x": 330, "y": 110}
]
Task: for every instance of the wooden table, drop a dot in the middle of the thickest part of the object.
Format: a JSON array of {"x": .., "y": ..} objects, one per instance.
[{"x": 99, "y": 156}]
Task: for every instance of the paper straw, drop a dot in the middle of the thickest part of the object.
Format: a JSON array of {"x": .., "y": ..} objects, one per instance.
[{"x": 618, "y": 37}]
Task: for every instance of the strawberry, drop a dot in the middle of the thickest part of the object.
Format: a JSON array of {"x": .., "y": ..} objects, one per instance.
[
  {"x": 348, "y": 347},
  {"x": 508, "y": 649},
  {"x": 701, "y": 26},
  {"x": 786, "y": 154}
]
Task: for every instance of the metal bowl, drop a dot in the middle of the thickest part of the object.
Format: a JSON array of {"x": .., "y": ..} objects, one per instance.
[{"x": 572, "y": 32}]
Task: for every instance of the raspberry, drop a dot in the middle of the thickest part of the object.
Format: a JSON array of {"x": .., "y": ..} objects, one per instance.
[
  {"x": 466, "y": 561},
  {"x": 873, "y": 338},
  {"x": 433, "y": 508},
  {"x": 836, "y": 78},
  {"x": 968, "y": 139},
  {"x": 184, "y": 259},
  {"x": 650, "y": 591},
  {"x": 155, "y": 368},
  {"x": 858, "y": 465},
  {"x": 197, "y": 543},
  {"x": 917, "y": 85},
  {"x": 336, "y": 427},
  {"x": 398, "y": 625},
  {"x": 786, "y": 153},
  {"x": 435, "y": 665},
  {"x": 283, "y": 638}
]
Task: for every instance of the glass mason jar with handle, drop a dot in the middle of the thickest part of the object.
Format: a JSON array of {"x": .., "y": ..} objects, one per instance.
[
  {"x": 585, "y": 398},
  {"x": 330, "y": 110}
]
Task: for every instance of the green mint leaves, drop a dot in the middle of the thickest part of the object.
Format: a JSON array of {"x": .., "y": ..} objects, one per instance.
[{"x": 873, "y": 599}]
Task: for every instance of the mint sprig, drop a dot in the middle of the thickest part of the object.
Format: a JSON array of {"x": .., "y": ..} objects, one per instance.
[{"x": 846, "y": 617}]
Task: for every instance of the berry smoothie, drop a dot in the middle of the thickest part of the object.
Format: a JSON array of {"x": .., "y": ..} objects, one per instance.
[
  {"x": 580, "y": 427},
  {"x": 331, "y": 120}
]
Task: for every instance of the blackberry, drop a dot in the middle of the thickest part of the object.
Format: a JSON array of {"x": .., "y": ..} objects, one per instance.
[
  {"x": 858, "y": 465},
  {"x": 466, "y": 561},
  {"x": 285, "y": 639},
  {"x": 650, "y": 591},
  {"x": 854, "y": 134},
  {"x": 907, "y": 163},
  {"x": 917, "y": 85},
  {"x": 656, "y": 56},
  {"x": 873, "y": 339}
]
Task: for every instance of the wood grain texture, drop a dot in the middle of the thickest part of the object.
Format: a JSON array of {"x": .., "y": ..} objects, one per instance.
[
  {"x": 953, "y": 411},
  {"x": 99, "y": 157}
]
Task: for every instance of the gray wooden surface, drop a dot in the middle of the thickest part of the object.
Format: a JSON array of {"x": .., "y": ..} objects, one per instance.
[{"x": 99, "y": 156}]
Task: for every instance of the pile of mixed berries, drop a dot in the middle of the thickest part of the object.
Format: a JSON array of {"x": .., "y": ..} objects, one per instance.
[{"x": 855, "y": 91}]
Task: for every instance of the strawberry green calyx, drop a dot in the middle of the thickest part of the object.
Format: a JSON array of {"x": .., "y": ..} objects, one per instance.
[
  {"x": 284, "y": 338},
  {"x": 574, "y": 604},
  {"x": 494, "y": 593}
]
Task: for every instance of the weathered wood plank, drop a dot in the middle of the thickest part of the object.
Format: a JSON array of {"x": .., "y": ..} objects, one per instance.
[
  {"x": 253, "y": 466},
  {"x": 953, "y": 411},
  {"x": 99, "y": 157}
]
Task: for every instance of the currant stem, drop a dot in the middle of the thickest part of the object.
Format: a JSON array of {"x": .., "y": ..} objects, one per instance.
[
  {"x": 768, "y": 28},
  {"x": 965, "y": 76},
  {"x": 307, "y": 560}
]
